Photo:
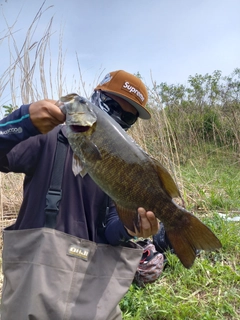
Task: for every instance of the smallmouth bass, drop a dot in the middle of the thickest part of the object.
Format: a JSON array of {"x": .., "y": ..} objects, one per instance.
[{"x": 131, "y": 177}]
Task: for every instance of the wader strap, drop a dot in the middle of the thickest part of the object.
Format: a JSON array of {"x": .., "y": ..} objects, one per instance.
[{"x": 54, "y": 194}]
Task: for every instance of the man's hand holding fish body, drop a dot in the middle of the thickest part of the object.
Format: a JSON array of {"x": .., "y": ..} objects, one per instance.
[
  {"x": 45, "y": 115},
  {"x": 147, "y": 225}
]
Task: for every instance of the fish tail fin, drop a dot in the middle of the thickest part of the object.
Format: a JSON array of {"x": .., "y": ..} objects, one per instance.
[{"x": 190, "y": 236}]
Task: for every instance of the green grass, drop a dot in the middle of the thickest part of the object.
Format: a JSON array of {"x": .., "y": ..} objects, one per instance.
[
  {"x": 211, "y": 288},
  {"x": 212, "y": 181}
]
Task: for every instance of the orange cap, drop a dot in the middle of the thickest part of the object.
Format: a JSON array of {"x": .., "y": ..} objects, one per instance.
[{"x": 129, "y": 88}]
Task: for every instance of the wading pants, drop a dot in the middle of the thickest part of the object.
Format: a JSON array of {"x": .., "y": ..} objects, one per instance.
[{"x": 50, "y": 275}]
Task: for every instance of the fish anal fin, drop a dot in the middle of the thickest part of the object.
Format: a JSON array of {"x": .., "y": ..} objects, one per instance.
[
  {"x": 167, "y": 181},
  {"x": 189, "y": 237},
  {"x": 128, "y": 217}
]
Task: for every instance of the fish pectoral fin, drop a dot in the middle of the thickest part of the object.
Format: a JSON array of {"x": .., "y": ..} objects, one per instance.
[
  {"x": 167, "y": 181},
  {"x": 91, "y": 148},
  {"x": 78, "y": 166},
  {"x": 128, "y": 217}
]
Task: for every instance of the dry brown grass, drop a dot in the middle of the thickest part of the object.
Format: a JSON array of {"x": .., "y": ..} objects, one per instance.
[{"x": 11, "y": 197}]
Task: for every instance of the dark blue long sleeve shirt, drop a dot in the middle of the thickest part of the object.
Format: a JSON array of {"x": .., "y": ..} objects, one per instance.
[{"x": 24, "y": 149}]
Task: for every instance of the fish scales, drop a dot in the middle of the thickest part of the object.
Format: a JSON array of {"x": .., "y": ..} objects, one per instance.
[
  {"x": 131, "y": 178},
  {"x": 120, "y": 181}
]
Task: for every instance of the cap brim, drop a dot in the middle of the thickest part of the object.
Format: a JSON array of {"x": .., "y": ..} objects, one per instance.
[{"x": 143, "y": 113}]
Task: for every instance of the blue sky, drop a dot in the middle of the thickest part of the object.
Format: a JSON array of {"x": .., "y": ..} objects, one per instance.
[{"x": 167, "y": 40}]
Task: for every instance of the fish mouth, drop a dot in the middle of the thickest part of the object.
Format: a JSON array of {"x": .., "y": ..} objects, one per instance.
[{"x": 77, "y": 128}]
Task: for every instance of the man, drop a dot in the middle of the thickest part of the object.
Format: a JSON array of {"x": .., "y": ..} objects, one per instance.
[{"x": 49, "y": 270}]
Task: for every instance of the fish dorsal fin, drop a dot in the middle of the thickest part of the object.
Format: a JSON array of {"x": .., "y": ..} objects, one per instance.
[{"x": 167, "y": 181}]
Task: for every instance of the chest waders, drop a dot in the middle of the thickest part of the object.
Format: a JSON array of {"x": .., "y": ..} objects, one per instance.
[{"x": 51, "y": 275}]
